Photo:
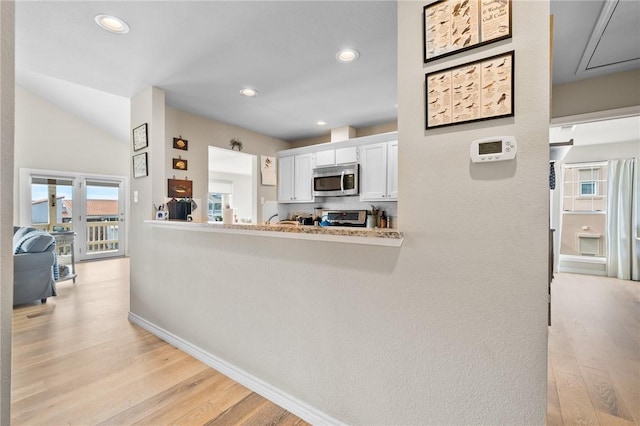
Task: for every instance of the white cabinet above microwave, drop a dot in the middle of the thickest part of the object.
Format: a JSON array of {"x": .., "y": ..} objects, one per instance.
[
  {"x": 295, "y": 178},
  {"x": 336, "y": 157}
]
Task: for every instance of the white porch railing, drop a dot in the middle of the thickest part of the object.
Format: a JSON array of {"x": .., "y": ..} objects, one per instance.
[{"x": 101, "y": 236}]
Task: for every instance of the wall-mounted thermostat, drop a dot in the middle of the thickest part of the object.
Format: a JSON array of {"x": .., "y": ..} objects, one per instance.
[{"x": 496, "y": 148}]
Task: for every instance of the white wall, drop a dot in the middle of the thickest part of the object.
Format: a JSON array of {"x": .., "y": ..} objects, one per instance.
[
  {"x": 448, "y": 329},
  {"x": 7, "y": 42},
  {"x": 242, "y": 192},
  {"x": 50, "y": 138},
  {"x": 605, "y": 93}
]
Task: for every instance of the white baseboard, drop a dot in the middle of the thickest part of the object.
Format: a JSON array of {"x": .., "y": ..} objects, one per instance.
[
  {"x": 284, "y": 400},
  {"x": 584, "y": 265}
]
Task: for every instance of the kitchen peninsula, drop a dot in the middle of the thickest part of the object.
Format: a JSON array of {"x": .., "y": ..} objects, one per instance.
[{"x": 367, "y": 236}]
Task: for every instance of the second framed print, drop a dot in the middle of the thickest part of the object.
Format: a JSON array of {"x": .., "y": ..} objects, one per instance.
[
  {"x": 451, "y": 26},
  {"x": 475, "y": 91}
]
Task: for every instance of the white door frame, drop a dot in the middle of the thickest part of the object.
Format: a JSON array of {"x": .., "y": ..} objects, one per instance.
[{"x": 24, "y": 202}]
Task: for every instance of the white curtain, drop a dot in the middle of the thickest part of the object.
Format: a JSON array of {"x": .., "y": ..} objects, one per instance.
[{"x": 622, "y": 220}]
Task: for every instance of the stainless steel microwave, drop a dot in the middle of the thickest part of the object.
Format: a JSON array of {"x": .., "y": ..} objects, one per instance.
[{"x": 336, "y": 180}]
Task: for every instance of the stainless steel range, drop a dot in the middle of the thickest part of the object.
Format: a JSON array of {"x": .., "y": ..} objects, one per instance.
[{"x": 345, "y": 217}]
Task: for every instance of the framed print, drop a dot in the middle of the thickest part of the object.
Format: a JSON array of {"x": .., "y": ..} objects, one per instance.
[
  {"x": 140, "y": 137},
  {"x": 179, "y": 164},
  {"x": 179, "y": 143},
  {"x": 140, "y": 165},
  {"x": 479, "y": 90},
  {"x": 452, "y": 26},
  {"x": 177, "y": 188}
]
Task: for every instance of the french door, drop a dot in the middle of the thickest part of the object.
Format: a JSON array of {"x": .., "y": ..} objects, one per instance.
[
  {"x": 101, "y": 218},
  {"x": 91, "y": 206}
]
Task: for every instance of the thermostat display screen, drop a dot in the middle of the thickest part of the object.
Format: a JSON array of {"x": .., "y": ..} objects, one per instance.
[
  {"x": 493, "y": 148},
  {"x": 490, "y": 148}
]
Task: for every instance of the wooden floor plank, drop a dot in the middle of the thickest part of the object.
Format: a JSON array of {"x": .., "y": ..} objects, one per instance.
[
  {"x": 594, "y": 351},
  {"x": 78, "y": 360}
]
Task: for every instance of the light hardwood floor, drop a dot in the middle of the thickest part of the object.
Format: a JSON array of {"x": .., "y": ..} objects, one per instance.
[
  {"x": 594, "y": 352},
  {"x": 77, "y": 360}
]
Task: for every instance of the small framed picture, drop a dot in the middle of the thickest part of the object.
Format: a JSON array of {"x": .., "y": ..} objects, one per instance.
[
  {"x": 177, "y": 188},
  {"x": 140, "y": 165},
  {"x": 140, "y": 137},
  {"x": 179, "y": 164},
  {"x": 179, "y": 143}
]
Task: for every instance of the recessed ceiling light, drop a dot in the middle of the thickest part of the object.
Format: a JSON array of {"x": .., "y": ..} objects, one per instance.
[
  {"x": 112, "y": 24},
  {"x": 347, "y": 55},
  {"x": 248, "y": 92},
  {"x": 321, "y": 123}
]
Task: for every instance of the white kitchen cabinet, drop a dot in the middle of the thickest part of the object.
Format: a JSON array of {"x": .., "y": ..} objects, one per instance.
[
  {"x": 333, "y": 157},
  {"x": 294, "y": 178},
  {"x": 379, "y": 171}
]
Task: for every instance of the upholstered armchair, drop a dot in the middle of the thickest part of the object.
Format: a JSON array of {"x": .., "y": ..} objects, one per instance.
[{"x": 33, "y": 265}]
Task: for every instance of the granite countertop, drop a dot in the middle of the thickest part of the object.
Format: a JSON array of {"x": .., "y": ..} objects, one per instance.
[{"x": 355, "y": 235}]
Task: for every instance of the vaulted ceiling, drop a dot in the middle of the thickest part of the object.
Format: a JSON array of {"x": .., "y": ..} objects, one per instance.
[{"x": 202, "y": 53}]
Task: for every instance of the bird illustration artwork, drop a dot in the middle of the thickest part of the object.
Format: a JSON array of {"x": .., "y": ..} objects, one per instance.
[
  {"x": 431, "y": 91},
  {"x": 473, "y": 104},
  {"x": 488, "y": 105},
  {"x": 445, "y": 90},
  {"x": 456, "y": 9},
  {"x": 503, "y": 79},
  {"x": 504, "y": 61},
  {"x": 436, "y": 100},
  {"x": 471, "y": 71},
  {"x": 466, "y": 12},
  {"x": 457, "y": 105},
  {"x": 457, "y": 88},
  {"x": 466, "y": 97},
  {"x": 466, "y": 30},
  {"x": 489, "y": 85},
  {"x": 456, "y": 41},
  {"x": 444, "y": 22},
  {"x": 443, "y": 111},
  {"x": 455, "y": 31},
  {"x": 431, "y": 28},
  {"x": 466, "y": 42},
  {"x": 464, "y": 3},
  {"x": 442, "y": 77},
  {"x": 503, "y": 97},
  {"x": 488, "y": 66},
  {"x": 470, "y": 86}
]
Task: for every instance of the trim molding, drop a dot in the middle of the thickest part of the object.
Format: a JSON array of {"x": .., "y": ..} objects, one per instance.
[{"x": 275, "y": 395}]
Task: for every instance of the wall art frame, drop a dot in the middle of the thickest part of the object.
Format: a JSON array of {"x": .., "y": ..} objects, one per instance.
[
  {"x": 180, "y": 164},
  {"x": 179, "y": 188},
  {"x": 475, "y": 91},
  {"x": 179, "y": 143},
  {"x": 453, "y": 26},
  {"x": 140, "y": 165},
  {"x": 140, "y": 137}
]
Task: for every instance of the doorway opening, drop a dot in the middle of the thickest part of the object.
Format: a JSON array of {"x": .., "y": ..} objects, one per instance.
[{"x": 91, "y": 206}]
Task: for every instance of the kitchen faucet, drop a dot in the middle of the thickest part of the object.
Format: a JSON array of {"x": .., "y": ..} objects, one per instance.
[{"x": 268, "y": 222}]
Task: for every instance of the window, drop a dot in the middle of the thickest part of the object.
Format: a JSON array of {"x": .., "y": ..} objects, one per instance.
[
  {"x": 584, "y": 205},
  {"x": 588, "y": 188}
]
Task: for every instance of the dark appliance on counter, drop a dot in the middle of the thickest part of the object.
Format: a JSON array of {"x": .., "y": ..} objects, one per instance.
[
  {"x": 336, "y": 180},
  {"x": 180, "y": 209},
  {"x": 345, "y": 217}
]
